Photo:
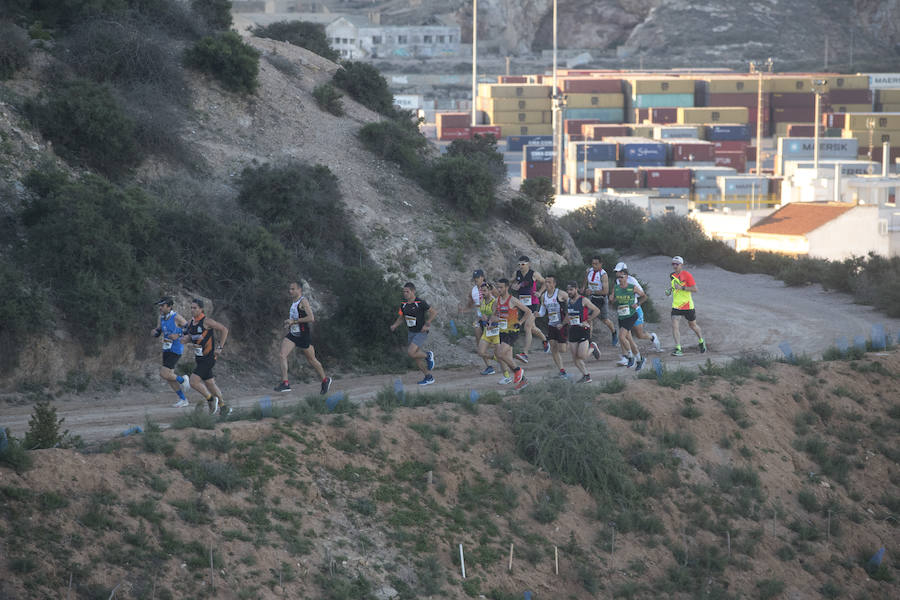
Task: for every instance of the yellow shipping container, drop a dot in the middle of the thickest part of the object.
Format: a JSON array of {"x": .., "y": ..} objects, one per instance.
[
  {"x": 513, "y": 104},
  {"x": 893, "y": 107},
  {"x": 889, "y": 96},
  {"x": 883, "y": 120},
  {"x": 847, "y": 82},
  {"x": 717, "y": 114},
  {"x": 791, "y": 84},
  {"x": 595, "y": 100},
  {"x": 641, "y": 130},
  {"x": 526, "y": 118},
  {"x": 851, "y": 108},
  {"x": 661, "y": 86},
  {"x": 509, "y": 129},
  {"x": 733, "y": 85},
  {"x": 513, "y": 90},
  {"x": 879, "y": 136}
]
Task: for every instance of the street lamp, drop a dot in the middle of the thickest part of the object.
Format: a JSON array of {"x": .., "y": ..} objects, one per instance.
[
  {"x": 474, "y": 58},
  {"x": 819, "y": 87},
  {"x": 754, "y": 66},
  {"x": 558, "y": 103},
  {"x": 870, "y": 125}
]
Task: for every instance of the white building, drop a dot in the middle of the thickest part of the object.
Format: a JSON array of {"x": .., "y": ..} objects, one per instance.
[{"x": 356, "y": 37}]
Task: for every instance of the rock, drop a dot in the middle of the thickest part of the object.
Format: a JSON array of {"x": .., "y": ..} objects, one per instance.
[{"x": 386, "y": 592}]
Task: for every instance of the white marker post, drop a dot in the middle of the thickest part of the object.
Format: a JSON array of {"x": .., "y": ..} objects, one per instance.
[{"x": 462, "y": 561}]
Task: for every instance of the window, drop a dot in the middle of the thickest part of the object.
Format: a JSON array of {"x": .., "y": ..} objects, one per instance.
[
  {"x": 345, "y": 40},
  {"x": 376, "y": 39},
  {"x": 401, "y": 39},
  {"x": 427, "y": 39},
  {"x": 449, "y": 39},
  {"x": 337, "y": 40},
  {"x": 440, "y": 39}
]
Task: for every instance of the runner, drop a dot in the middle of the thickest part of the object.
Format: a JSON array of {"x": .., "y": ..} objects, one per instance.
[
  {"x": 553, "y": 306},
  {"x": 473, "y": 300},
  {"x": 526, "y": 286},
  {"x": 298, "y": 325},
  {"x": 490, "y": 339},
  {"x": 596, "y": 284},
  {"x": 418, "y": 315},
  {"x": 628, "y": 296},
  {"x": 170, "y": 324},
  {"x": 201, "y": 333},
  {"x": 682, "y": 285},
  {"x": 508, "y": 320},
  {"x": 580, "y": 312},
  {"x": 638, "y": 332}
]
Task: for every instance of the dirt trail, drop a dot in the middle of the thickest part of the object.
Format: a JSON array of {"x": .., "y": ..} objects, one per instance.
[{"x": 737, "y": 313}]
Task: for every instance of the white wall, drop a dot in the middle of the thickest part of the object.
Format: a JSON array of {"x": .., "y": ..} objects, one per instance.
[
  {"x": 854, "y": 233},
  {"x": 786, "y": 244}
]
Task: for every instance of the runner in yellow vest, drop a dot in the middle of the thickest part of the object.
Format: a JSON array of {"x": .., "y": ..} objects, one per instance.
[{"x": 682, "y": 286}]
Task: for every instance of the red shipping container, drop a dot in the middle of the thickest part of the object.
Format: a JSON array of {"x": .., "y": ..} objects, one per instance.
[
  {"x": 693, "y": 151},
  {"x": 512, "y": 79},
  {"x": 839, "y": 96},
  {"x": 620, "y": 178},
  {"x": 661, "y": 116},
  {"x": 750, "y": 154},
  {"x": 878, "y": 152},
  {"x": 454, "y": 119},
  {"x": 675, "y": 177},
  {"x": 595, "y": 132},
  {"x": 793, "y": 115},
  {"x": 536, "y": 169},
  {"x": 574, "y": 125},
  {"x": 455, "y": 133},
  {"x": 641, "y": 115},
  {"x": 581, "y": 186},
  {"x": 591, "y": 85},
  {"x": 736, "y": 160},
  {"x": 736, "y": 99},
  {"x": 834, "y": 120},
  {"x": 730, "y": 145},
  {"x": 794, "y": 100},
  {"x": 801, "y": 130},
  {"x": 494, "y": 130}
]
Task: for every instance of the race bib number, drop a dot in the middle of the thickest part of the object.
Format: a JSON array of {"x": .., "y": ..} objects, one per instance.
[
  {"x": 553, "y": 318},
  {"x": 502, "y": 324},
  {"x": 594, "y": 286},
  {"x": 295, "y": 329},
  {"x": 492, "y": 331},
  {"x": 198, "y": 351},
  {"x": 624, "y": 311},
  {"x": 410, "y": 321},
  {"x": 167, "y": 344},
  {"x": 574, "y": 320},
  {"x": 526, "y": 300}
]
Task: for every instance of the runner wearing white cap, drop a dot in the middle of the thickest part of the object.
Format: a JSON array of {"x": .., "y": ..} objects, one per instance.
[{"x": 681, "y": 286}]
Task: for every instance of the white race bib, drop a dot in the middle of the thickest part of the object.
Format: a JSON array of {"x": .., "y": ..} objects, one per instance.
[
  {"x": 198, "y": 350},
  {"x": 553, "y": 318},
  {"x": 526, "y": 300},
  {"x": 492, "y": 331},
  {"x": 624, "y": 311},
  {"x": 167, "y": 344},
  {"x": 574, "y": 320},
  {"x": 594, "y": 286},
  {"x": 502, "y": 324},
  {"x": 410, "y": 321},
  {"x": 295, "y": 329}
]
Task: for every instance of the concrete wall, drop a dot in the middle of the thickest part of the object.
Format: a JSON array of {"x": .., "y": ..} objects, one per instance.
[
  {"x": 785, "y": 244},
  {"x": 854, "y": 233},
  {"x": 377, "y": 41}
]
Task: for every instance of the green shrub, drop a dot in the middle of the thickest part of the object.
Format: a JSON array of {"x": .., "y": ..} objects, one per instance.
[
  {"x": 299, "y": 33},
  {"x": 14, "y": 454},
  {"x": 481, "y": 149},
  {"x": 23, "y": 310},
  {"x": 466, "y": 183},
  {"x": 606, "y": 224},
  {"x": 398, "y": 142},
  {"x": 15, "y": 49},
  {"x": 62, "y": 14},
  {"x": 329, "y": 99},
  {"x": 43, "y": 427},
  {"x": 365, "y": 84},
  {"x": 226, "y": 57},
  {"x": 216, "y": 13},
  {"x": 549, "y": 504},
  {"x": 538, "y": 189},
  {"x": 87, "y": 124}
]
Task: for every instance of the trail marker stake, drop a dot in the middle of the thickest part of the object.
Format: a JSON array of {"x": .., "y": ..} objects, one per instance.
[
  {"x": 556, "y": 559},
  {"x": 462, "y": 561},
  {"x": 510, "y": 557}
]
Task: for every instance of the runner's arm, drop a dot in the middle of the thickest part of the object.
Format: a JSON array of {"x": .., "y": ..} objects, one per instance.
[
  {"x": 593, "y": 311},
  {"x": 540, "y": 279},
  {"x": 513, "y": 301},
  {"x": 604, "y": 282},
  {"x": 222, "y": 331},
  {"x": 431, "y": 314},
  {"x": 309, "y": 318}
]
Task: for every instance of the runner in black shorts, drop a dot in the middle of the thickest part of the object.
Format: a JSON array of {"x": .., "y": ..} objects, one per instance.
[
  {"x": 170, "y": 330},
  {"x": 418, "y": 316},
  {"x": 553, "y": 306},
  {"x": 508, "y": 320},
  {"x": 201, "y": 333},
  {"x": 298, "y": 323},
  {"x": 580, "y": 312}
]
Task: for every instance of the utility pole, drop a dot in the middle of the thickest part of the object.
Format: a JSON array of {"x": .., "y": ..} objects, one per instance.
[
  {"x": 474, "y": 60},
  {"x": 558, "y": 103},
  {"x": 819, "y": 87}
]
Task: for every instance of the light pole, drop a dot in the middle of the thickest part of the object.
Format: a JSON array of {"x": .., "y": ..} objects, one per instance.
[
  {"x": 558, "y": 102},
  {"x": 754, "y": 66},
  {"x": 474, "y": 59},
  {"x": 870, "y": 125},
  {"x": 819, "y": 87}
]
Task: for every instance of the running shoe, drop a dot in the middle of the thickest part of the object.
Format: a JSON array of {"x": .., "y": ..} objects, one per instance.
[
  {"x": 185, "y": 384},
  {"x": 702, "y": 347},
  {"x": 595, "y": 351},
  {"x": 429, "y": 379},
  {"x": 522, "y": 357},
  {"x": 213, "y": 404},
  {"x": 506, "y": 380},
  {"x": 623, "y": 361},
  {"x": 615, "y": 339},
  {"x": 521, "y": 385},
  {"x": 326, "y": 385},
  {"x": 282, "y": 387},
  {"x": 429, "y": 360},
  {"x": 640, "y": 364},
  {"x": 585, "y": 379},
  {"x": 546, "y": 347},
  {"x": 677, "y": 351},
  {"x": 488, "y": 370},
  {"x": 655, "y": 339},
  {"x": 181, "y": 404},
  {"x": 630, "y": 362},
  {"x": 518, "y": 374},
  {"x": 563, "y": 374}
]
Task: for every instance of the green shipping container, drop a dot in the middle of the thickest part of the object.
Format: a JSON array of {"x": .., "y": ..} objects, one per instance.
[
  {"x": 605, "y": 115},
  {"x": 662, "y": 100},
  {"x": 833, "y": 132}
]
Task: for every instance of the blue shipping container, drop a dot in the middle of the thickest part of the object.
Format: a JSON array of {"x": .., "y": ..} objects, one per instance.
[
  {"x": 596, "y": 151},
  {"x": 744, "y": 185},
  {"x": 606, "y": 115},
  {"x": 514, "y": 143},
  {"x": 662, "y": 100},
  {"x": 534, "y": 153},
  {"x": 707, "y": 193},
  {"x": 667, "y": 192},
  {"x": 728, "y": 133},
  {"x": 707, "y": 177},
  {"x": 643, "y": 151}
]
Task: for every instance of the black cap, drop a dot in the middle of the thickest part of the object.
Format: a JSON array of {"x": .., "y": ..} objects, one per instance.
[
  {"x": 524, "y": 258},
  {"x": 478, "y": 273},
  {"x": 166, "y": 300}
]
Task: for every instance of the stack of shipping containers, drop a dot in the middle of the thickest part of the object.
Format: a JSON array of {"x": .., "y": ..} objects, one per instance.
[
  {"x": 582, "y": 161},
  {"x": 517, "y": 109},
  {"x": 886, "y": 128},
  {"x": 737, "y": 91},
  {"x": 659, "y": 92}
]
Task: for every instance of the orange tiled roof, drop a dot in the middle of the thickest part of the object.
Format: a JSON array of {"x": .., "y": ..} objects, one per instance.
[{"x": 800, "y": 218}]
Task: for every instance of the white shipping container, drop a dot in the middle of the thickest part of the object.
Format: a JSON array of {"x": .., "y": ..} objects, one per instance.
[{"x": 884, "y": 81}]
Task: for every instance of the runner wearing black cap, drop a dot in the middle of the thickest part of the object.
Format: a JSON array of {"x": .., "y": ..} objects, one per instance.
[
  {"x": 169, "y": 329},
  {"x": 529, "y": 284}
]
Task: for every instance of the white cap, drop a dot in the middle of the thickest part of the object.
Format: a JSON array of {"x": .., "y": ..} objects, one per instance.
[
  {"x": 621, "y": 267},
  {"x": 678, "y": 259}
]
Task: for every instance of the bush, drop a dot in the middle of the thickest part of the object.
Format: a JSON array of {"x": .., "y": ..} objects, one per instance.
[
  {"x": 299, "y": 33},
  {"x": 607, "y": 224},
  {"x": 398, "y": 142},
  {"x": 227, "y": 58},
  {"x": 23, "y": 310},
  {"x": 538, "y": 189},
  {"x": 13, "y": 453},
  {"x": 43, "y": 427},
  {"x": 466, "y": 183},
  {"x": 216, "y": 13},
  {"x": 15, "y": 48},
  {"x": 329, "y": 99},
  {"x": 481, "y": 149},
  {"x": 62, "y": 14},
  {"x": 365, "y": 84},
  {"x": 88, "y": 124}
]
